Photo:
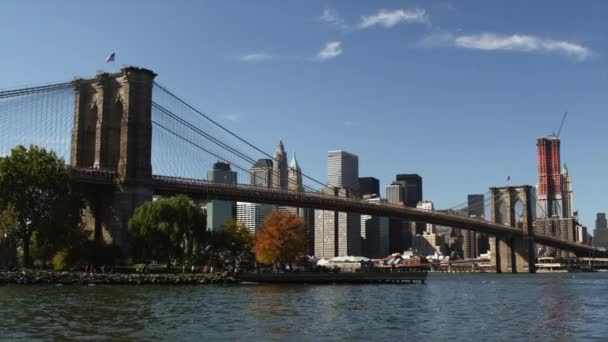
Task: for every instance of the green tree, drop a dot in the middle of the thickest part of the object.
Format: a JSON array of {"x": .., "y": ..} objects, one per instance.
[
  {"x": 167, "y": 229},
  {"x": 231, "y": 246},
  {"x": 37, "y": 191}
]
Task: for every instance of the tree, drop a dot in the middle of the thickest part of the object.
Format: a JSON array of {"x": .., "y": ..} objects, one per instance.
[
  {"x": 38, "y": 193},
  {"x": 231, "y": 246},
  {"x": 167, "y": 229},
  {"x": 281, "y": 239}
]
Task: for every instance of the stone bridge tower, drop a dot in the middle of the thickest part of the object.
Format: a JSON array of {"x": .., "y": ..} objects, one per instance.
[
  {"x": 513, "y": 206},
  {"x": 113, "y": 132}
]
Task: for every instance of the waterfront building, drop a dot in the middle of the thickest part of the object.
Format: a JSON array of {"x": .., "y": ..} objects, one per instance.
[
  {"x": 337, "y": 233},
  {"x": 369, "y": 186},
  {"x": 218, "y": 212},
  {"x": 294, "y": 175},
  {"x": 343, "y": 170},
  {"x": 252, "y": 214},
  {"x": 600, "y": 233},
  {"x": 374, "y": 233}
]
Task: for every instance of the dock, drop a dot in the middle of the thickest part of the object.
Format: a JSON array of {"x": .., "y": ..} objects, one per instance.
[{"x": 335, "y": 278}]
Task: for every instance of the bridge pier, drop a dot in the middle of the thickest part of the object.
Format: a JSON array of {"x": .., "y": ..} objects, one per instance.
[
  {"x": 113, "y": 132},
  {"x": 512, "y": 206}
]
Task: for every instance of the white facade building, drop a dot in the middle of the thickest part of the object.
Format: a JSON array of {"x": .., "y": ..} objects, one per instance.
[{"x": 252, "y": 214}]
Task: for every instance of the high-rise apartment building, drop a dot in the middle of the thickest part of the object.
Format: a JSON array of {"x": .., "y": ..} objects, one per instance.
[
  {"x": 218, "y": 212},
  {"x": 369, "y": 186},
  {"x": 375, "y": 233},
  {"x": 343, "y": 170},
  {"x": 252, "y": 214}
]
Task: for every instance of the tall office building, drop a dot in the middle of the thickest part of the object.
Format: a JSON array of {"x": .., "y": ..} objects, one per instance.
[
  {"x": 261, "y": 173},
  {"x": 474, "y": 243},
  {"x": 343, "y": 170},
  {"x": 600, "y": 233},
  {"x": 337, "y": 233},
  {"x": 413, "y": 188},
  {"x": 395, "y": 193},
  {"x": 369, "y": 186},
  {"x": 374, "y": 233},
  {"x": 400, "y": 233},
  {"x": 476, "y": 205},
  {"x": 279, "y": 167},
  {"x": 218, "y": 212},
  {"x": 252, "y": 214}
]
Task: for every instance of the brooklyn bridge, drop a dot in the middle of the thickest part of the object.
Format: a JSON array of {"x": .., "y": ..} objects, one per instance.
[{"x": 130, "y": 139}]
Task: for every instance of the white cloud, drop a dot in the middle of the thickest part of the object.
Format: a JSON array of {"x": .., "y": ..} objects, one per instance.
[
  {"x": 255, "y": 57},
  {"x": 332, "y": 18},
  {"x": 389, "y": 19},
  {"x": 331, "y": 50},
  {"x": 231, "y": 117},
  {"x": 523, "y": 43},
  {"x": 349, "y": 123}
]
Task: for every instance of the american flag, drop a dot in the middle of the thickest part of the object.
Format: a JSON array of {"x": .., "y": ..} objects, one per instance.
[{"x": 110, "y": 58}]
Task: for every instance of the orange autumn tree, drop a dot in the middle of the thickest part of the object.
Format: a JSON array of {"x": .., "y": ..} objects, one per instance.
[{"x": 281, "y": 239}]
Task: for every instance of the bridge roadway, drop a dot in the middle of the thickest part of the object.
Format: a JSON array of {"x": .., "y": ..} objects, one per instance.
[{"x": 205, "y": 190}]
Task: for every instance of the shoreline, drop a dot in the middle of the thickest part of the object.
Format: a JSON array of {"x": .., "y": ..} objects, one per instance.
[{"x": 31, "y": 277}]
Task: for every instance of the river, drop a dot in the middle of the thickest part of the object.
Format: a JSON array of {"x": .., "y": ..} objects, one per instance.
[{"x": 466, "y": 307}]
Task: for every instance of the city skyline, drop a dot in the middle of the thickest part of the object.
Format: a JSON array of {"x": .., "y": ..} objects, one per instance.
[{"x": 477, "y": 95}]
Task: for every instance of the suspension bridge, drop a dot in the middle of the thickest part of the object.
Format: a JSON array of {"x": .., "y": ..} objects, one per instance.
[{"x": 130, "y": 138}]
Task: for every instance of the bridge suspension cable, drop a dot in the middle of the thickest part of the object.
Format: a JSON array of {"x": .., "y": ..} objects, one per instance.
[{"x": 226, "y": 130}]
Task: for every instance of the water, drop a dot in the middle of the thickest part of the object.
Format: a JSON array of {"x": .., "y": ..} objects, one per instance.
[{"x": 538, "y": 307}]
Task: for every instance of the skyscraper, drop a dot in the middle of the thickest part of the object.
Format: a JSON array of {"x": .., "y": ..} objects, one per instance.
[
  {"x": 600, "y": 233},
  {"x": 476, "y": 205},
  {"x": 294, "y": 175},
  {"x": 413, "y": 188},
  {"x": 261, "y": 173},
  {"x": 374, "y": 233},
  {"x": 549, "y": 200},
  {"x": 474, "y": 243},
  {"x": 218, "y": 212},
  {"x": 369, "y": 186},
  {"x": 279, "y": 167},
  {"x": 343, "y": 170},
  {"x": 337, "y": 233},
  {"x": 395, "y": 193}
]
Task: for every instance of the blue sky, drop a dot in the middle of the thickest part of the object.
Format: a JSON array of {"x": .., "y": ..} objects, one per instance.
[{"x": 454, "y": 91}]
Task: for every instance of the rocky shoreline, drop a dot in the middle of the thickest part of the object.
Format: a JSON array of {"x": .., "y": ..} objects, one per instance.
[{"x": 81, "y": 278}]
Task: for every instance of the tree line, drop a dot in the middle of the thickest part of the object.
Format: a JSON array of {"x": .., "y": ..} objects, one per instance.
[{"x": 41, "y": 214}]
